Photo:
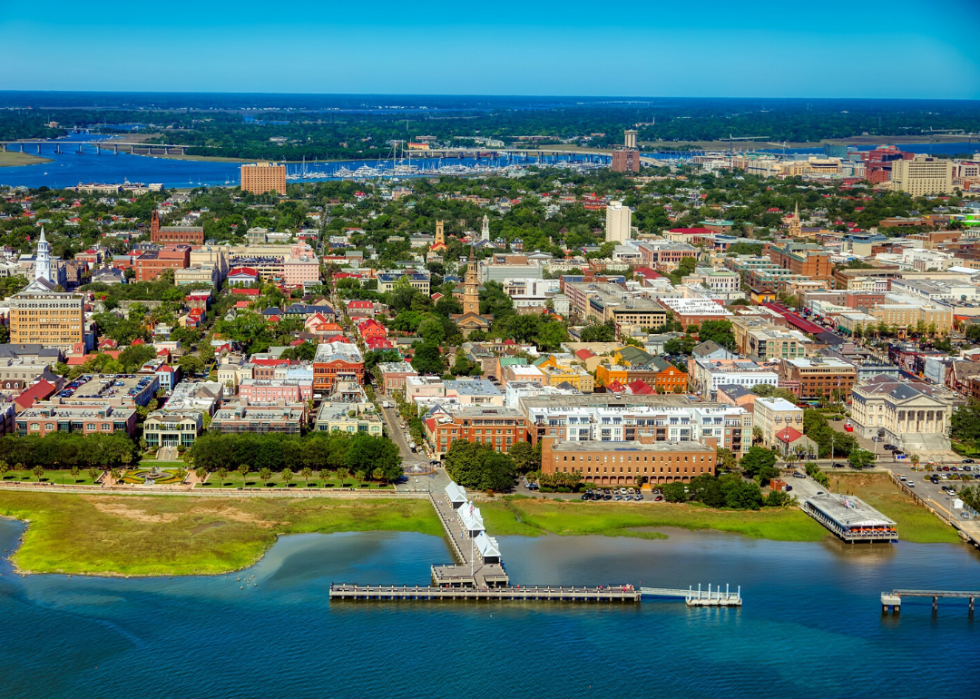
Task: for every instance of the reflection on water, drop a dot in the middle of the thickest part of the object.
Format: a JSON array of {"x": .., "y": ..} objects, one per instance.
[{"x": 811, "y": 625}]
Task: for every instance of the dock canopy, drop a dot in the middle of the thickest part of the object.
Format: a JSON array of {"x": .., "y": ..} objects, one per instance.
[
  {"x": 456, "y": 494},
  {"x": 471, "y": 518},
  {"x": 488, "y": 548}
]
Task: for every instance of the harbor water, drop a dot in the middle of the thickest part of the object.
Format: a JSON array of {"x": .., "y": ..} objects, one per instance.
[{"x": 811, "y": 625}]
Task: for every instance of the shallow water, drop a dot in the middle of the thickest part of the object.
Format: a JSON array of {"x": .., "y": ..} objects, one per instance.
[{"x": 811, "y": 625}]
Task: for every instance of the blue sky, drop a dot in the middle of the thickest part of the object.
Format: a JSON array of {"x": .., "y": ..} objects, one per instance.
[{"x": 725, "y": 48}]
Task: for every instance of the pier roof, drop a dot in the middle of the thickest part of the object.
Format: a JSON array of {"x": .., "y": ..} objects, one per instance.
[
  {"x": 849, "y": 511},
  {"x": 456, "y": 493},
  {"x": 471, "y": 518}
]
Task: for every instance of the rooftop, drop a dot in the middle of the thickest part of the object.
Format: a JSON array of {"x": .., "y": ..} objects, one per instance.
[{"x": 634, "y": 446}]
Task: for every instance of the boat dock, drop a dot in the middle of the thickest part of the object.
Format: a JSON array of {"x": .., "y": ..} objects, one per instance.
[
  {"x": 893, "y": 599},
  {"x": 850, "y": 518},
  {"x": 478, "y": 566}
]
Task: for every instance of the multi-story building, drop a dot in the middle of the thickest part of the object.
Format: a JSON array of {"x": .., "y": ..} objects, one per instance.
[
  {"x": 422, "y": 387},
  {"x": 239, "y": 418},
  {"x": 390, "y": 376},
  {"x": 41, "y": 315},
  {"x": 96, "y": 417},
  {"x": 259, "y": 178},
  {"x": 173, "y": 428},
  {"x": 174, "y": 235},
  {"x": 771, "y": 343},
  {"x": 629, "y": 463},
  {"x": 338, "y": 417},
  {"x": 606, "y": 417},
  {"x": 805, "y": 259},
  {"x": 695, "y": 311},
  {"x": 914, "y": 415},
  {"x": 923, "y": 175},
  {"x": 604, "y": 301},
  {"x": 470, "y": 391},
  {"x": 706, "y": 375},
  {"x": 720, "y": 280},
  {"x": 275, "y": 391},
  {"x": 336, "y": 361},
  {"x": 625, "y": 160},
  {"x": 418, "y": 280},
  {"x": 150, "y": 265},
  {"x": 500, "y": 427},
  {"x": 818, "y": 377},
  {"x": 17, "y": 373},
  {"x": 618, "y": 222},
  {"x": 775, "y": 414},
  {"x": 557, "y": 373}
]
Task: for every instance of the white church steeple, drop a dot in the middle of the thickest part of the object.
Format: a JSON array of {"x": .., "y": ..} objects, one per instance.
[{"x": 42, "y": 266}]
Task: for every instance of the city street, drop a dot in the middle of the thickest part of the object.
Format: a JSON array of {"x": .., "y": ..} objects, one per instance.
[{"x": 410, "y": 459}]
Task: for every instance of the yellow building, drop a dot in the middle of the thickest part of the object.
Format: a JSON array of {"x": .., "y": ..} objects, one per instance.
[
  {"x": 923, "y": 175},
  {"x": 606, "y": 374},
  {"x": 575, "y": 376},
  {"x": 259, "y": 178},
  {"x": 908, "y": 316},
  {"x": 39, "y": 315}
]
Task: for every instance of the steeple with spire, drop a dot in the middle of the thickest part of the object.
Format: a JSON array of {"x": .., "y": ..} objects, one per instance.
[
  {"x": 471, "y": 287},
  {"x": 42, "y": 265},
  {"x": 485, "y": 229},
  {"x": 795, "y": 228}
]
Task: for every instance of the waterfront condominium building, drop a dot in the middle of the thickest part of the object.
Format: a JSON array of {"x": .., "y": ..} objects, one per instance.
[
  {"x": 923, "y": 175},
  {"x": 259, "y": 178},
  {"x": 629, "y": 463},
  {"x": 618, "y": 221},
  {"x": 42, "y": 316}
]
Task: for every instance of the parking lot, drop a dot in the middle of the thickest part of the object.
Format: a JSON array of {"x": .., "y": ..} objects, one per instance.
[{"x": 920, "y": 482}]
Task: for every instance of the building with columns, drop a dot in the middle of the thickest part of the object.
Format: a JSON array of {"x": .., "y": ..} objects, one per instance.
[{"x": 912, "y": 415}]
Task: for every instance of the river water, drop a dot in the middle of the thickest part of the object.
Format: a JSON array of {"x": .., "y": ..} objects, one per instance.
[
  {"x": 811, "y": 625},
  {"x": 83, "y": 164}
]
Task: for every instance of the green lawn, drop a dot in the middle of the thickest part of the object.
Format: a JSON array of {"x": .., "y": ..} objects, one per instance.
[
  {"x": 252, "y": 480},
  {"x": 915, "y": 523},
  {"x": 160, "y": 535},
  {"x": 56, "y": 476},
  {"x": 534, "y": 516}
]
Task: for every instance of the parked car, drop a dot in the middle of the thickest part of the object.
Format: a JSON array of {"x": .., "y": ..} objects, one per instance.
[
  {"x": 838, "y": 465},
  {"x": 797, "y": 474},
  {"x": 969, "y": 461}
]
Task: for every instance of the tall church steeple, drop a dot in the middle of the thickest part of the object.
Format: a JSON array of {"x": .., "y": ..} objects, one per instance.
[
  {"x": 485, "y": 229},
  {"x": 471, "y": 287},
  {"x": 42, "y": 263}
]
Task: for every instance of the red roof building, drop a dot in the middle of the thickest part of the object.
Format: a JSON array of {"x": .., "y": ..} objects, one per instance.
[
  {"x": 371, "y": 329},
  {"x": 639, "y": 388},
  {"x": 42, "y": 390}
]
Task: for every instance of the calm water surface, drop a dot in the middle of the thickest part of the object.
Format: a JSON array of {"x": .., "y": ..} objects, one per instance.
[{"x": 811, "y": 625}]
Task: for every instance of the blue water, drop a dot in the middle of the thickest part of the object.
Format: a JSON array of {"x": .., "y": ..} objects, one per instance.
[
  {"x": 71, "y": 167},
  {"x": 811, "y": 625}
]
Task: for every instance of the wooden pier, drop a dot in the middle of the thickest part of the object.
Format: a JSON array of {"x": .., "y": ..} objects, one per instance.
[
  {"x": 893, "y": 600},
  {"x": 428, "y": 593}
]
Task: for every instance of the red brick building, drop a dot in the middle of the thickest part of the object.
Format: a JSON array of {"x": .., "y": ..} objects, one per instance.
[
  {"x": 150, "y": 265},
  {"x": 500, "y": 427},
  {"x": 171, "y": 235},
  {"x": 626, "y": 160}
]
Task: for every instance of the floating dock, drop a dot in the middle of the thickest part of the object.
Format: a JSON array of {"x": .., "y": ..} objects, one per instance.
[{"x": 698, "y": 598}]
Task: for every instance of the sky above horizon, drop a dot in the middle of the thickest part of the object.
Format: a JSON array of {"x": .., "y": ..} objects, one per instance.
[{"x": 711, "y": 48}]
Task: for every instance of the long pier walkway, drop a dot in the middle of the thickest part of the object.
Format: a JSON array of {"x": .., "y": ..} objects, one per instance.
[
  {"x": 473, "y": 570},
  {"x": 626, "y": 593}
]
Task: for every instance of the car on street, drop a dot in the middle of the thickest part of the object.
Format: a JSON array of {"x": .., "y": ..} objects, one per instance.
[
  {"x": 968, "y": 461},
  {"x": 797, "y": 474},
  {"x": 838, "y": 465}
]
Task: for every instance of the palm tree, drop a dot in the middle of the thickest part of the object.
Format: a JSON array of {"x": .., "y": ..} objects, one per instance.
[
  {"x": 341, "y": 474},
  {"x": 93, "y": 473},
  {"x": 378, "y": 474},
  {"x": 181, "y": 474},
  {"x": 286, "y": 475},
  {"x": 4, "y": 467},
  {"x": 243, "y": 469},
  {"x": 324, "y": 476},
  {"x": 74, "y": 473},
  {"x": 914, "y": 458},
  {"x": 116, "y": 474},
  {"x": 222, "y": 474},
  {"x": 266, "y": 475},
  {"x": 306, "y": 473},
  {"x": 38, "y": 471},
  {"x": 201, "y": 473}
]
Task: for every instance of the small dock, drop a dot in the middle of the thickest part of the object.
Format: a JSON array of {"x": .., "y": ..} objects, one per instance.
[
  {"x": 624, "y": 593},
  {"x": 893, "y": 600},
  {"x": 698, "y": 598}
]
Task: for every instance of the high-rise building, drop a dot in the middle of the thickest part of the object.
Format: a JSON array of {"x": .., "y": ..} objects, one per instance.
[
  {"x": 42, "y": 316},
  {"x": 625, "y": 160},
  {"x": 630, "y": 140},
  {"x": 923, "y": 175},
  {"x": 259, "y": 178},
  {"x": 618, "y": 221}
]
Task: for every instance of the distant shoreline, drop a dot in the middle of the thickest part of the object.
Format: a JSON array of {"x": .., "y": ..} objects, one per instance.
[{"x": 8, "y": 159}]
